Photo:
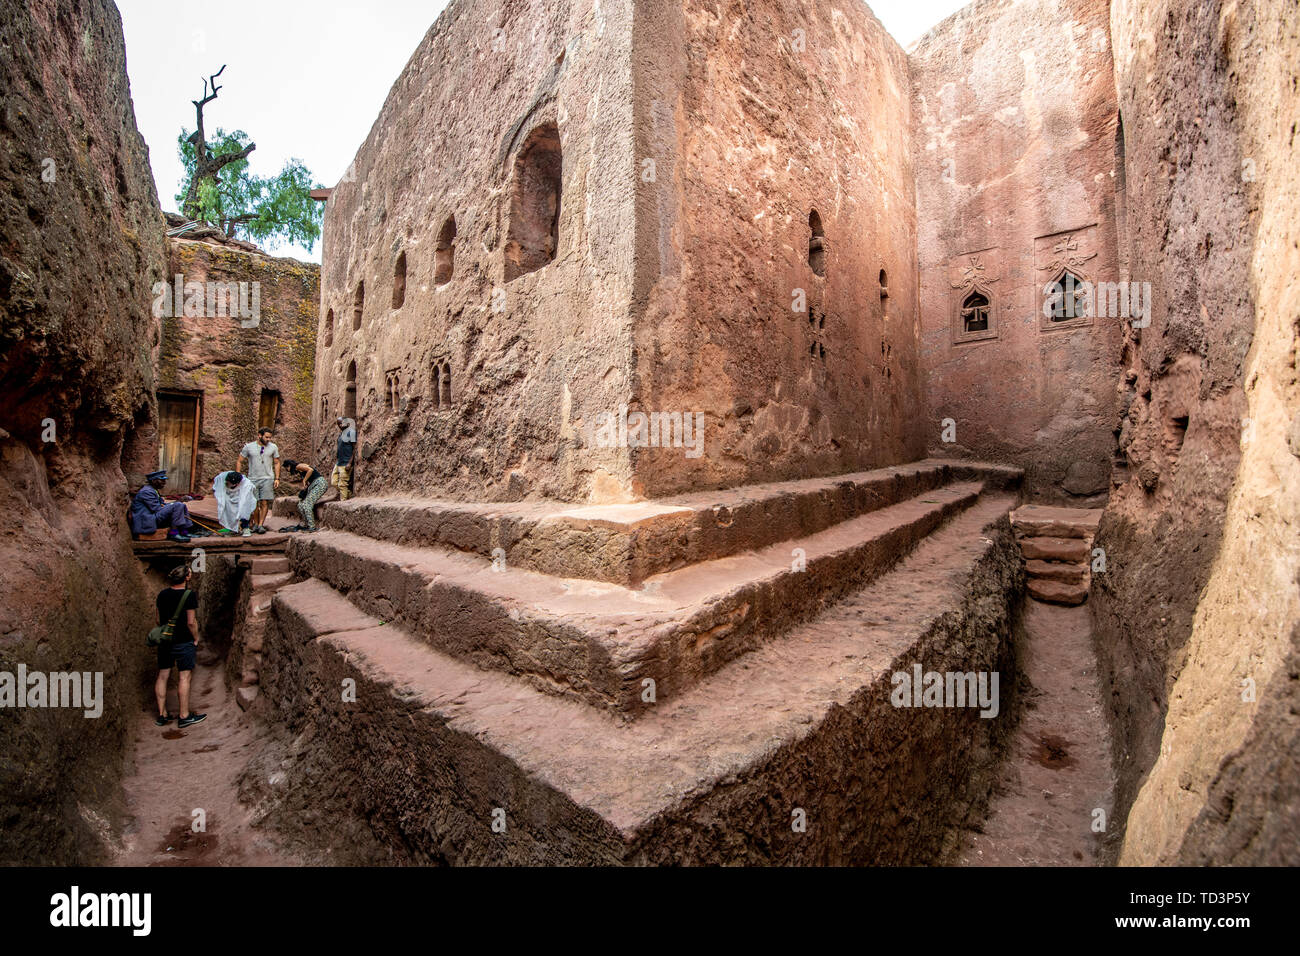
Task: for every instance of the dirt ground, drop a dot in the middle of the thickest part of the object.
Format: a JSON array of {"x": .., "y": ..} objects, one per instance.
[
  {"x": 175, "y": 772},
  {"x": 1058, "y": 772}
]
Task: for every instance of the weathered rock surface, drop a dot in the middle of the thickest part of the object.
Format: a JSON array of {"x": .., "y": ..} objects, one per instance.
[
  {"x": 83, "y": 243},
  {"x": 1198, "y": 618}
]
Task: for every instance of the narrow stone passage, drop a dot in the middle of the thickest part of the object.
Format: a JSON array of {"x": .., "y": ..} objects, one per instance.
[
  {"x": 1057, "y": 773},
  {"x": 175, "y": 772}
]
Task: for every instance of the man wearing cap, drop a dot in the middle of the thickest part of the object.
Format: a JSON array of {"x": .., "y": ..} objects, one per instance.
[
  {"x": 341, "y": 477},
  {"x": 149, "y": 511}
]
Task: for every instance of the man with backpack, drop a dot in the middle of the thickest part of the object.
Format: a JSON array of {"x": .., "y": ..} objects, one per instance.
[{"x": 178, "y": 608}]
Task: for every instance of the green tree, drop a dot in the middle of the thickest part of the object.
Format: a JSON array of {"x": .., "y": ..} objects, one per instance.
[{"x": 220, "y": 189}]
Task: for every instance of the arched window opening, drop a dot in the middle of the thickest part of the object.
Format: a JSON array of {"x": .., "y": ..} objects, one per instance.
[
  {"x": 399, "y": 280},
  {"x": 446, "y": 383},
  {"x": 1069, "y": 298},
  {"x": 975, "y": 313},
  {"x": 394, "y": 391},
  {"x": 444, "y": 255},
  {"x": 350, "y": 392},
  {"x": 533, "y": 235},
  {"x": 816, "y": 244},
  {"x": 329, "y": 328},
  {"x": 358, "y": 304},
  {"x": 884, "y": 286}
]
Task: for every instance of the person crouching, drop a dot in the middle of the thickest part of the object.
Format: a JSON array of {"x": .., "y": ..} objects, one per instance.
[
  {"x": 236, "y": 501},
  {"x": 314, "y": 484}
]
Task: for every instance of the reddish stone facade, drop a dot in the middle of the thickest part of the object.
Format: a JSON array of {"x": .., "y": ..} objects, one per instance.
[
  {"x": 1018, "y": 184},
  {"x": 619, "y": 227},
  {"x": 227, "y": 372}
]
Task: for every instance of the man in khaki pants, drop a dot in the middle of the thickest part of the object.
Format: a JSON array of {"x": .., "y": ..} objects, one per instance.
[{"x": 341, "y": 477}]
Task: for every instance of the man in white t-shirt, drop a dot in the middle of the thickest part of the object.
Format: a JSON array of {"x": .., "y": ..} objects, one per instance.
[{"x": 260, "y": 461}]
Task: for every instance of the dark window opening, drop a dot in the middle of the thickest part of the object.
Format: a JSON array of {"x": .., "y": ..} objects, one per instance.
[
  {"x": 358, "y": 304},
  {"x": 329, "y": 328},
  {"x": 816, "y": 244},
  {"x": 446, "y": 383},
  {"x": 975, "y": 313},
  {"x": 394, "y": 391},
  {"x": 268, "y": 408},
  {"x": 884, "y": 285},
  {"x": 1069, "y": 298},
  {"x": 437, "y": 386},
  {"x": 533, "y": 236},
  {"x": 399, "y": 280},
  {"x": 350, "y": 393},
  {"x": 444, "y": 265}
]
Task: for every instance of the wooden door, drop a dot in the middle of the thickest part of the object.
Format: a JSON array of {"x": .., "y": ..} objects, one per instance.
[{"x": 178, "y": 417}]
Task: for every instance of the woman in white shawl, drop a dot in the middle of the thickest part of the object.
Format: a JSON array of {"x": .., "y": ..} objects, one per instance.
[{"x": 236, "y": 500}]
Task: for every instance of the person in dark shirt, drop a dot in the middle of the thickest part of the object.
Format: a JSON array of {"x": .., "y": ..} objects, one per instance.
[
  {"x": 179, "y": 653},
  {"x": 313, "y": 486},
  {"x": 341, "y": 477}
]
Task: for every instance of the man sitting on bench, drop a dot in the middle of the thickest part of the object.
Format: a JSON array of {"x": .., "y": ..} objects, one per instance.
[{"x": 149, "y": 511}]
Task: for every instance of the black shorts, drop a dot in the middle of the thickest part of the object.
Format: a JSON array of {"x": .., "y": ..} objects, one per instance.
[{"x": 181, "y": 656}]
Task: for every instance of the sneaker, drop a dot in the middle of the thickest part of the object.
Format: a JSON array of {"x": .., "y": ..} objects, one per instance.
[
  {"x": 164, "y": 721},
  {"x": 260, "y": 529},
  {"x": 191, "y": 720},
  {"x": 246, "y": 533}
]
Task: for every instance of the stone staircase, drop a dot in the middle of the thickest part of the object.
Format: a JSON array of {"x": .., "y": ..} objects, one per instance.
[
  {"x": 1057, "y": 547},
  {"x": 705, "y": 678},
  {"x": 267, "y": 574}
]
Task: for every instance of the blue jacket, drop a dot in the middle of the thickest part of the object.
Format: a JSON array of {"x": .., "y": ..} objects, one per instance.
[{"x": 144, "y": 510}]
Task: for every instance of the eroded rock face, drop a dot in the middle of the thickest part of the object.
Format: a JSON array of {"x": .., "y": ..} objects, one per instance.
[
  {"x": 83, "y": 244},
  {"x": 1196, "y": 615},
  {"x": 1014, "y": 147}
]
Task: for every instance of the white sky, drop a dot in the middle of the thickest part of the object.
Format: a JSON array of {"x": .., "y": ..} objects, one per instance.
[{"x": 305, "y": 78}]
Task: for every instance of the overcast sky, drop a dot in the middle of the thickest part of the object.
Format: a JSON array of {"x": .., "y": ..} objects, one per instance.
[{"x": 305, "y": 78}]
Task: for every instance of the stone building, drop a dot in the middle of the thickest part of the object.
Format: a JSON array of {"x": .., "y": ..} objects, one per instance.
[
  {"x": 843, "y": 256},
  {"x": 617, "y": 224},
  {"x": 1019, "y": 169},
  {"x": 242, "y": 359}
]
